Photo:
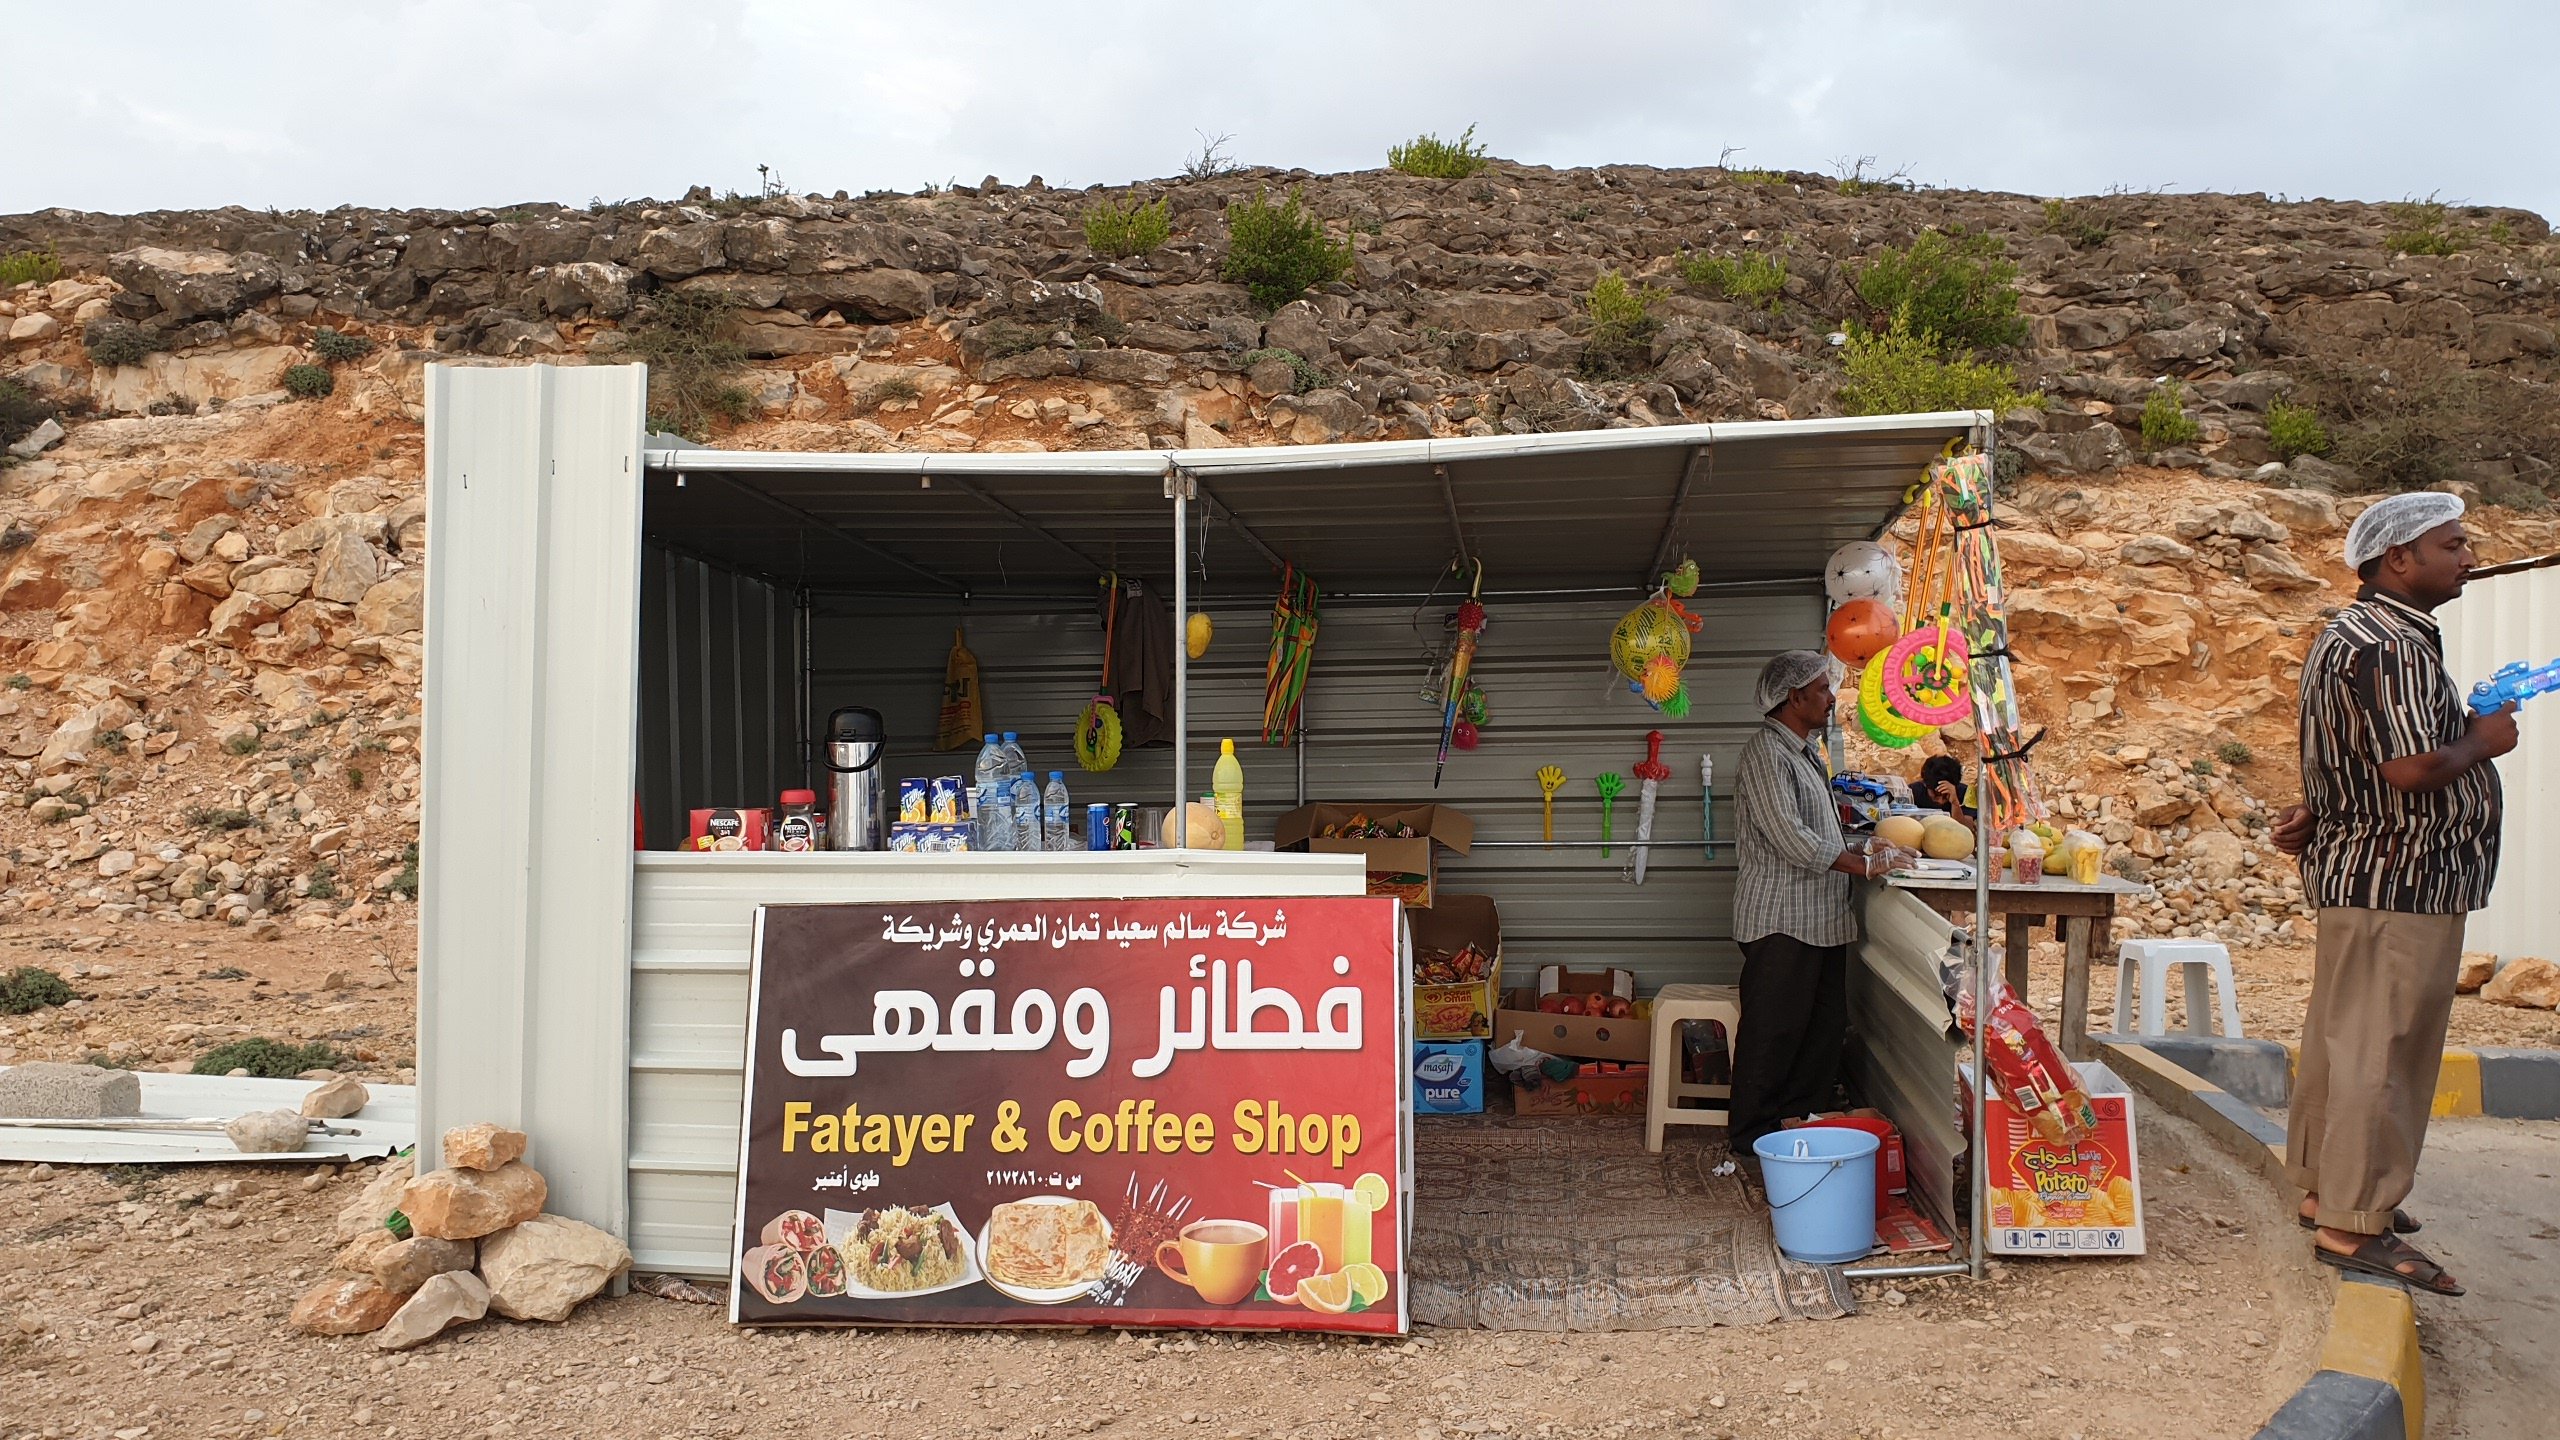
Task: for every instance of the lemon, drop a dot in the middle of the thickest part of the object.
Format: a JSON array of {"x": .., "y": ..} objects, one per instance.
[
  {"x": 1326, "y": 1294},
  {"x": 1372, "y": 1190},
  {"x": 1368, "y": 1282}
]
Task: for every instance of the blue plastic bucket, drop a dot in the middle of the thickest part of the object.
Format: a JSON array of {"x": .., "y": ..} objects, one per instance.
[{"x": 1822, "y": 1192}]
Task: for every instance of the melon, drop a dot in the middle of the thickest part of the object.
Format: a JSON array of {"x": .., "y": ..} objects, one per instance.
[
  {"x": 1901, "y": 831},
  {"x": 1206, "y": 831},
  {"x": 1942, "y": 838}
]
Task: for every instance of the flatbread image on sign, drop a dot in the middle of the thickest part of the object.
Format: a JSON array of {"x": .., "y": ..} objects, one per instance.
[{"x": 1046, "y": 1243}]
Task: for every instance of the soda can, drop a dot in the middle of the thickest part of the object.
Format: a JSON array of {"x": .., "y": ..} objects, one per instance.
[
  {"x": 1097, "y": 826},
  {"x": 914, "y": 803},
  {"x": 1124, "y": 826}
]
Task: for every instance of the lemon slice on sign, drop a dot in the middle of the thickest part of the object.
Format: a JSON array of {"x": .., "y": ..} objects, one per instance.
[
  {"x": 1372, "y": 1189},
  {"x": 1368, "y": 1282}
]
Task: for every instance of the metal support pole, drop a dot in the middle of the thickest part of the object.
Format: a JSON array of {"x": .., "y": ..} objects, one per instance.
[
  {"x": 1980, "y": 1249},
  {"x": 1178, "y": 487}
]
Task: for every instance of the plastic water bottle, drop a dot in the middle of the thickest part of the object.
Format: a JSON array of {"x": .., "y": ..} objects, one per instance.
[
  {"x": 1226, "y": 783},
  {"x": 1024, "y": 790},
  {"x": 1057, "y": 814},
  {"x": 990, "y": 803}
]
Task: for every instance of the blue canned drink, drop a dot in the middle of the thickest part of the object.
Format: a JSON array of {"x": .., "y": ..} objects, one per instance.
[{"x": 1097, "y": 827}]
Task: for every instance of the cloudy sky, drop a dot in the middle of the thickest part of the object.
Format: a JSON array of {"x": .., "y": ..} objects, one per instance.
[{"x": 487, "y": 102}]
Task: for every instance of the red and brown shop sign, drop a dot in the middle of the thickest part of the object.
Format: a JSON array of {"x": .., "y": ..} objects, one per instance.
[{"x": 1139, "y": 1112}]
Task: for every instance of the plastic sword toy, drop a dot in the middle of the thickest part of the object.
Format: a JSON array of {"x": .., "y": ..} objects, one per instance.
[{"x": 2513, "y": 685}]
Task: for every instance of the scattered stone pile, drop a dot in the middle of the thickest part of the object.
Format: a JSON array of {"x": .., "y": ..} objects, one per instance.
[{"x": 475, "y": 1240}]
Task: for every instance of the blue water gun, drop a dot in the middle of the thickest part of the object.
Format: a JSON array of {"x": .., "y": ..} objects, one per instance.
[{"x": 2513, "y": 685}]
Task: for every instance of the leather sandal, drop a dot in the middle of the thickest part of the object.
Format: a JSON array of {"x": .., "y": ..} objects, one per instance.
[
  {"x": 2402, "y": 1222},
  {"x": 2383, "y": 1255}
]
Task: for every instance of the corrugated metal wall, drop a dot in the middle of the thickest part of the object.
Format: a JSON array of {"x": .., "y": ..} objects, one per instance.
[
  {"x": 720, "y": 718},
  {"x": 2501, "y": 620},
  {"x": 1552, "y": 700}
]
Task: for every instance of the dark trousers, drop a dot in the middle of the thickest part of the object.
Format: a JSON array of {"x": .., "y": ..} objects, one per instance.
[{"x": 1795, "y": 1023}]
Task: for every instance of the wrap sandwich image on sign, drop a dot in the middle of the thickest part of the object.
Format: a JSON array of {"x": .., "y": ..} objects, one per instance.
[{"x": 1180, "y": 1113}]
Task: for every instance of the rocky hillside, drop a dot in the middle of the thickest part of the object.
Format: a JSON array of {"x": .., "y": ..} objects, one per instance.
[{"x": 211, "y": 527}]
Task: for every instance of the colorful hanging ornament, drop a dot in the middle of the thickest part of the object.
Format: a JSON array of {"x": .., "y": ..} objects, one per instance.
[
  {"x": 1471, "y": 619},
  {"x": 1654, "y": 633},
  {"x": 1683, "y": 581}
]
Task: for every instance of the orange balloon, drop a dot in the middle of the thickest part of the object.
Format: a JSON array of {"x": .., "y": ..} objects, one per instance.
[{"x": 1859, "y": 629}]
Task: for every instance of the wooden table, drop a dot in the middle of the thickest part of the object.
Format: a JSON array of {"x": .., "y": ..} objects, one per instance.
[{"x": 2083, "y": 914}]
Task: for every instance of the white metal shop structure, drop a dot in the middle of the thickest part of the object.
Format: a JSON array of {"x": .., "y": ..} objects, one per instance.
[
  {"x": 2511, "y": 613},
  {"x": 611, "y": 614}
]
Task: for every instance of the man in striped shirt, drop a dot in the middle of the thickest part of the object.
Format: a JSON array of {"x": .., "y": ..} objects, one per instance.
[{"x": 2398, "y": 842}]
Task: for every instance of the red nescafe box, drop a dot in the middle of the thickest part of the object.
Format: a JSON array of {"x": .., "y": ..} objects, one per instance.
[{"x": 734, "y": 828}]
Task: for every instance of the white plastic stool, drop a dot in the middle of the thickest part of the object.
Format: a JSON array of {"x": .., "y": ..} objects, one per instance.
[
  {"x": 1664, "y": 1089},
  {"x": 2155, "y": 959}
]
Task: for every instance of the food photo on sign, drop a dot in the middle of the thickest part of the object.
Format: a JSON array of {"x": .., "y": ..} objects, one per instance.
[{"x": 1143, "y": 1112}]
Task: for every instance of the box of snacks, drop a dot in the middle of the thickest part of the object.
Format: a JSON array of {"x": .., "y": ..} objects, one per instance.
[
  {"x": 2065, "y": 1189},
  {"x": 1457, "y": 967},
  {"x": 1400, "y": 842}
]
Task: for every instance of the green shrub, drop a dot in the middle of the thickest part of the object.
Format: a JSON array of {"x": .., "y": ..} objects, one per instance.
[
  {"x": 1899, "y": 372},
  {"x": 1754, "y": 175},
  {"x": 1277, "y": 251},
  {"x": 1305, "y": 374},
  {"x": 2296, "y": 430},
  {"x": 324, "y": 881},
  {"x": 1952, "y": 288},
  {"x": 20, "y": 412},
  {"x": 2234, "y": 753},
  {"x": 1759, "y": 280},
  {"x": 309, "y": 381},
  {"x": 203, "y": 817},
  {"x": 692, "y": 370},
  {"x": 2085, "y": 224},
  {"x": 118, "y": 342},
  {"x": 405, "y": 884},
  {"x": 2407, "y": 414},
  {"x": 1436, "y": 159},
  {"x": 1622, "y": 326},
  {"x": 337, "y": 348},
  {"x": 29, "y": 267},
  {"x": 243, "y": 743},
  {"x": 268, "y": 1059},
  {"x": 892, "y": 390},
  {"x": 2419, "y": 227},
  {"x": 2201, "y": 767},
  {"x": 30, "y": 988},
  {"x": 2164, "y": 418},
  {"x": 1127, "y": 227}
]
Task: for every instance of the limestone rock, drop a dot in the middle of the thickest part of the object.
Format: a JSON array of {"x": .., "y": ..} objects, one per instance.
[
  {"x": 1298, "y": 329},
  {"x": 335, "y": 1100},
  {"x": 281, "y": 585},
  {"x": 356, "y": 1256},
  {"x": 541, "y": 1269},
  {"x": 344, "y": 1305},
  {"x": 236, "y": 616},
  {"x": 395, "y": 606},
  {"x": 2477, "y": 968},
  {"x": 380, "y": 1197},
  {"x": 37, "y": 441},
  {"x": 403, "y": 1265},
  {"x": 2231, "y": 519},
  {"x": 891, "y": 295},
  {"x": 453, "y": 1298},
  {"x": 483, "y": 1146},
  {"x": 467, "y": 1204},
  {"x": 595, "y": 287},
  {"x": 2309, "y": 512},
  {"x": 52, "y": 1090},
  {"x": 2273, "y": 569},
  {"x": 2155, "y": 550},
  {"x": 2215, "y": 855},
  {"x": 33, "y": 329},
  {"x": 2527, "y": 982},
  {"x": 268, "y": 1132},
  {"x": 199, "y": 541},
  {"x": 74, "y": 738},
  {"x": 349, "y": 567},
  {"x": 195, "y": 284}
]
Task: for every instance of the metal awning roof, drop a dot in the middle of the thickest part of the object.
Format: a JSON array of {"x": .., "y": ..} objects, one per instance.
[{"x": 1753, "y": 502}]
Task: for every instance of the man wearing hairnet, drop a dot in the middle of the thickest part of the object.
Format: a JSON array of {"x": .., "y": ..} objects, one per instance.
[
  {"x": 2398, "y": 839},
  {"x": 1790, "y": 907}
]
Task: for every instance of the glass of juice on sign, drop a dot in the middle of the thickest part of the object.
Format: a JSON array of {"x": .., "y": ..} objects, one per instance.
[
  {"x": 1320, "y": 1217},
  {"x": 1284, "y": 1219}
]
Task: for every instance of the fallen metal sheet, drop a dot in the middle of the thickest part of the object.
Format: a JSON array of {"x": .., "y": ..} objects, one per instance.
[{"x": 388, "y": 1124}]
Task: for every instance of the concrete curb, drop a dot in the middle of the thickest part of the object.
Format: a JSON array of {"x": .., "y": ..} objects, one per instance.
[
  {"x": 2371, "y": 1384},
  {"x": 2504, "y": 1083}
]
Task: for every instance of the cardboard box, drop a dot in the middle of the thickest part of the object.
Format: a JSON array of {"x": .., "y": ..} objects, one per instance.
[
  {"x": 1448, "y": 1077},
  {"x": 1583, "y": 1037},
  {"x": 2083, "y": 1198},
  {"x": 1601, "y": 1088},
  {"x": 1463, "y": 1009},
  {"x": 1405, "y": 869}
]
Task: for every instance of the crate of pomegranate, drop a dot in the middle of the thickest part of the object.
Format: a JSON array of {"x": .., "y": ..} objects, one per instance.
[{"x": 1587, "y": 1014}]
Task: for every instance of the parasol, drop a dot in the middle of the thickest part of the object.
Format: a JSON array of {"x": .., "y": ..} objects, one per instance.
[
  {"x": 1293, "y": 648},
  {"x": 1652, "y": 772},
  {"x": 1470, "y": 624}
]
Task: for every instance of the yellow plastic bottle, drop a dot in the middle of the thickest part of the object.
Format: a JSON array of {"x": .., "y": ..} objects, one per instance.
[{"x": 1227, "y": 784}]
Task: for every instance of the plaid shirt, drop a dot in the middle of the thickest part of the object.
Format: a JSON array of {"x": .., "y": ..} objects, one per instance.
[
  {"x": 1790, "y": 836},
  {"x": 2374, "y": 689}
]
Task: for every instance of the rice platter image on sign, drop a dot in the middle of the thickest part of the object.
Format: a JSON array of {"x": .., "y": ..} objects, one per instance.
[{"x": 1181, "y": 1113}]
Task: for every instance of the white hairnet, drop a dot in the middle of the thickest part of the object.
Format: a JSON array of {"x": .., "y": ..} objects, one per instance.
[
  {"x": 1787, "y": 672},
  {"x": 2397, "y": 521}
]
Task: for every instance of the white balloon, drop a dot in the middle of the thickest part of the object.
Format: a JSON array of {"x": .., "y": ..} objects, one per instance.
[{"x": 1862, "y": 570}]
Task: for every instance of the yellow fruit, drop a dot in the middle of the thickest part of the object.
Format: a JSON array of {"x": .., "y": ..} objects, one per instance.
[
  {"x": 1942, "y": 838},
  {"x": 1195, "y": 635},
  {"x": 1368, "y": 1282},
  {"x": 1328, "y": 1294},
  {"x": 1372, "y": 1188},
  {"x": 1207, "y": 832},
  {"x": 1900, "y": 830}
]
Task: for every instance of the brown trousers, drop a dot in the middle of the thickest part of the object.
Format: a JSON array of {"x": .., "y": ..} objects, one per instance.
[{"x": 2381, "y": 994}]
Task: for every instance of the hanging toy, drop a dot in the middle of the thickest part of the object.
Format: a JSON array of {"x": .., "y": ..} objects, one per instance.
[
  {"x": 1609, "y": 783},
  {"x": 1925, "y": 676},
  {"x": 1861, "y": 570},
  {"x": 1859, "y": 629},
  {"x": 1655, "y": 632},
  {"x": 1652, "y": 772},
  {"x": 1682, "y": 582},
  {"x": 1463, "y": 735},
  {"x": 1470, "y": 625},
  {"x": 1472, "y": 709},
  {"x": 1876, "y": 718},
  {"x": 1195, "y": 635},
  {"x": 1550, "y": 780},
  {"x": 1677, "y": 707},
  {"x": 1661, "y": 679},
  {"x": 1098, "y": 728}
]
